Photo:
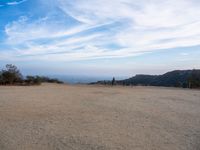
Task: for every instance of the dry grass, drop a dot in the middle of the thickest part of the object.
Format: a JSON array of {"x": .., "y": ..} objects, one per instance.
[{"x": 63, "y": 117}]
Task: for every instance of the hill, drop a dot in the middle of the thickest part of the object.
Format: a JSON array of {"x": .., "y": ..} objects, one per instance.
[{"x": 177, "y": 78}]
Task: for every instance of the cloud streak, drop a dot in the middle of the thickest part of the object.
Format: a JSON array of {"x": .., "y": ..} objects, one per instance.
[
  {"x": 16, "y": 2},
  {"x": 10, "y": 3},
  {"x": 104, "y": 29}
]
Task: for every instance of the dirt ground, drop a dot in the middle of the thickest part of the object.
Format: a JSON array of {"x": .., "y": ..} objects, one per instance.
[{"x": 78, "y": 117}]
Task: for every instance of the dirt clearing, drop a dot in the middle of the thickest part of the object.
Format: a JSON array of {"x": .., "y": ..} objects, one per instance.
[{"x": 64, "y": 117}]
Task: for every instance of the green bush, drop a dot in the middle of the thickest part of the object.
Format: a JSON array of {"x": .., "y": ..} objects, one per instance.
[{"x": 11, "y": 75}]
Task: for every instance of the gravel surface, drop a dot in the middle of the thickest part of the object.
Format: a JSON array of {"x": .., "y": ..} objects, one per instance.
[{"x": 78, "y": 117}]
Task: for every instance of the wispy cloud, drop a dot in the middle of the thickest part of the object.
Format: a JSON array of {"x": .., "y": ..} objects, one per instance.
[
  {"x": 16, "y": 2},
  {"x": 105, "y": 29},
  {"x": 12, "y": 3}
]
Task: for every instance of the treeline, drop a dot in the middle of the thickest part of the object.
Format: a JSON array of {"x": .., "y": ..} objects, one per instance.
[
  {"x": 11, "y": 75},
  {"x": 106, "y": 82},
  {"x": 177, "y": 78},
  {"x": 194, "y": 79},
  {"x": 39, "y": 80}
]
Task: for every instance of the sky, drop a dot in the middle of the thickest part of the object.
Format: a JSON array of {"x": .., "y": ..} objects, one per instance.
[{"x": 100, "y": 37}]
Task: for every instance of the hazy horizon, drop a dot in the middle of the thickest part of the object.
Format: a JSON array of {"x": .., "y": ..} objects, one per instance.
[{"x": 97, "y": 38}]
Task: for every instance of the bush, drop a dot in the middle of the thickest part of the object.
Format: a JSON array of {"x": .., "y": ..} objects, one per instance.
[
  {"x": 37, "y": 80},
  {"x": 1, "y": 78},
  {"x": 11, "y": 75},
  {"x": 194, "y": 79},
  {"x": 33, "y": 80}
]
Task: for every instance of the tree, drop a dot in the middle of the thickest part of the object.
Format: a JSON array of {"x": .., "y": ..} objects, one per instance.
[
  {"x": 37, "y": 80},
  {"x": 1, "y": 78},
  {"x": 33, "y": 80},
  {"x": 194, "y": 79},
  {"x": 29, "y": 79},
  {"x": 11, "y": 75},
  {"x": 113, "y": 81}
]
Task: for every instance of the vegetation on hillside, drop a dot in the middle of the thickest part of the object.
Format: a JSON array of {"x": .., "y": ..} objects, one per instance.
[
  {"x": 177, "y": 78},
  {"x": 11, "y": 76}
]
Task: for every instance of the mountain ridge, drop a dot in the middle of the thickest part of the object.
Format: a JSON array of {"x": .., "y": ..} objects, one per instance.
[{"x": 176, "y": 78}]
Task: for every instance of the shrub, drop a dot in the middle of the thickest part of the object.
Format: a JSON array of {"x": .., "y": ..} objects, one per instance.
[{"x": 11, "y": 75}]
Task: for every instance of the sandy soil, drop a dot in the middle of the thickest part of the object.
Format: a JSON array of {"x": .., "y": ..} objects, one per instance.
[{"x": 63, "y": 117}]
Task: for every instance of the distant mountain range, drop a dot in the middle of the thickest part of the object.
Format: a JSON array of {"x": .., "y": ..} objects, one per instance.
[{"x": 177, "y": 78}]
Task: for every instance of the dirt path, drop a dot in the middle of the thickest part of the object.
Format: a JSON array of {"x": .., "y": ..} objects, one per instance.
[{"x": 61, "y": 117}]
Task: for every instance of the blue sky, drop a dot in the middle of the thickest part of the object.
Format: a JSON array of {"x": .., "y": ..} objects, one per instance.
[{"x": 100, "y": 37}]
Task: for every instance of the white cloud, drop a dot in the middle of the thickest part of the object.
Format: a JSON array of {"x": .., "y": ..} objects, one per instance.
[
  {"x": 142, "y": 26},
  {"x": 16, "y": 2},
  {"x": 184, "y": 54},
  {"x": 154, "y": 13}
]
